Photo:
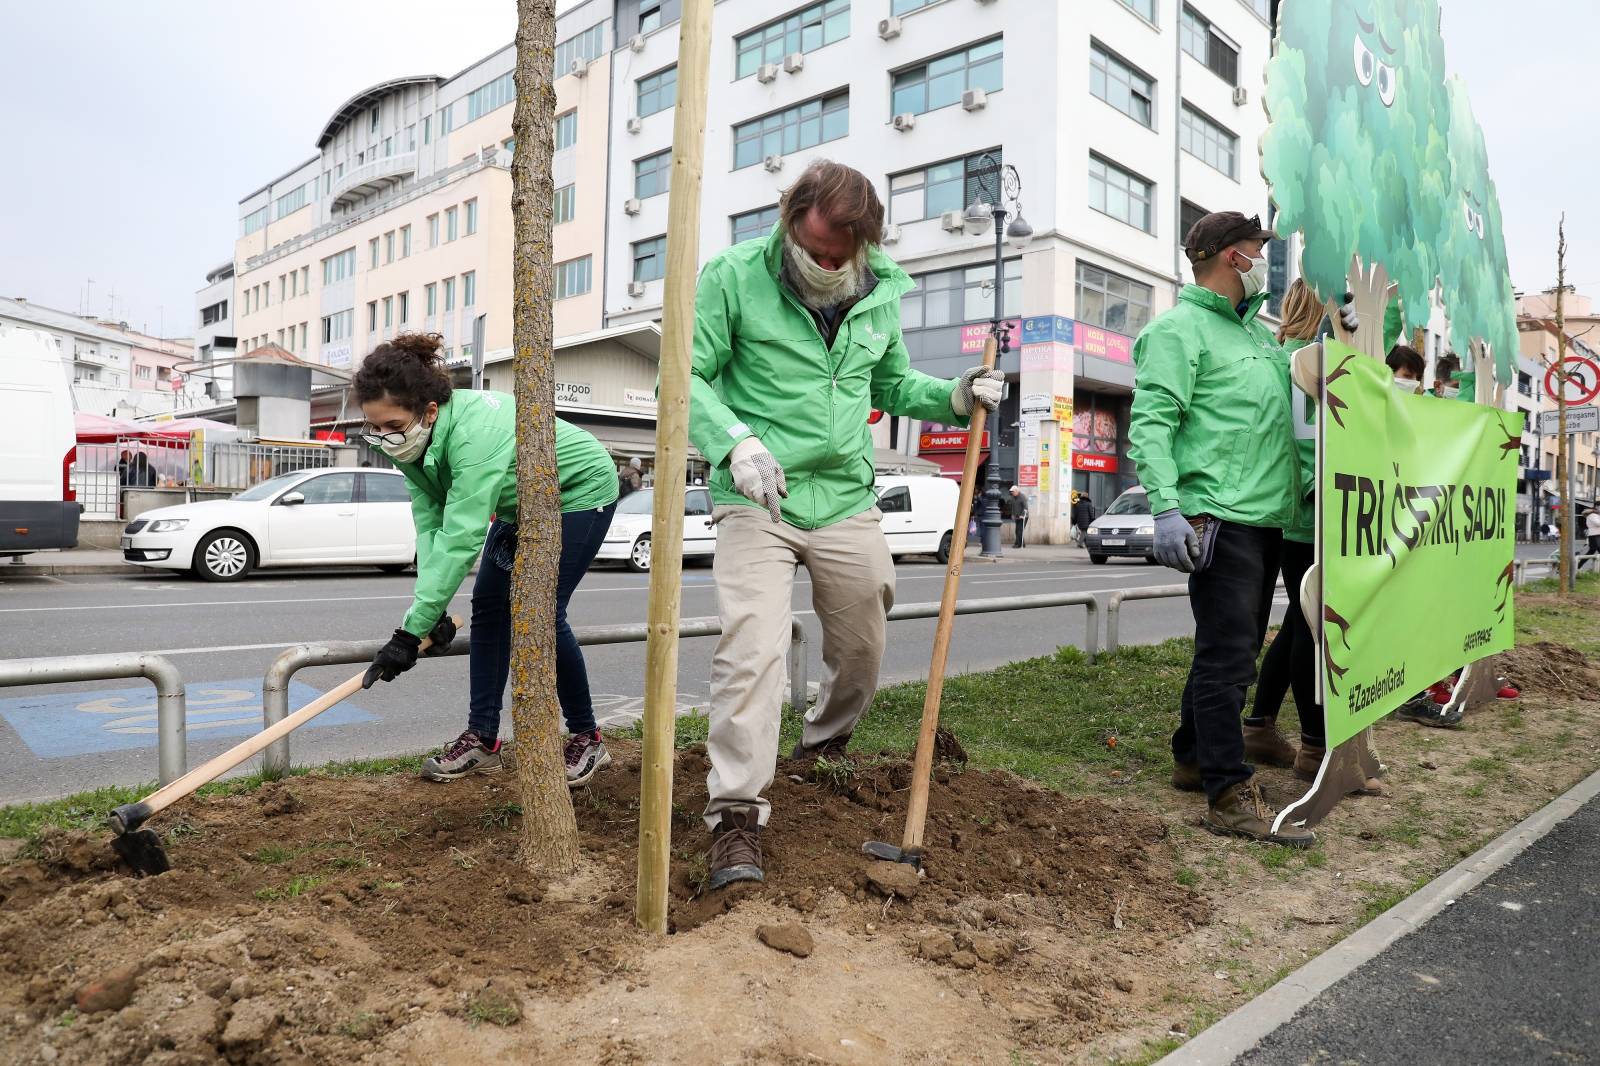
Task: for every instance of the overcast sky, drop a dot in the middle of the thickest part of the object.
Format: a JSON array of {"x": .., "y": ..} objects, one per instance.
[{"x": 132, "y": 130}]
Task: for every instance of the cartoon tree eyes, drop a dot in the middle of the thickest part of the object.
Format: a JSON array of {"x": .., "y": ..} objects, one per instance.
[
  {"x": 1366, "y": 62},
  {"x": 1474, "y": 220},
  {"x": 1387, "y": 80}
]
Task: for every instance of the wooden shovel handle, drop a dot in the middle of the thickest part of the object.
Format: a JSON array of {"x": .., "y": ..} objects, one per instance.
[{"x": 922, "y": 765}]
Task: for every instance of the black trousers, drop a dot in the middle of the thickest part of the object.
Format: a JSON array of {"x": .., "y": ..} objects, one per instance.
[
  {"x": 1291, "y": 661},
  {"x": 1020, "y": 522},
  {"x": 1231, "y": 600}
]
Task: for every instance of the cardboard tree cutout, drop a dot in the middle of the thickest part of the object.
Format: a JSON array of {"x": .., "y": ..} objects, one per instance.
[{"x": 1362, "y": 161}]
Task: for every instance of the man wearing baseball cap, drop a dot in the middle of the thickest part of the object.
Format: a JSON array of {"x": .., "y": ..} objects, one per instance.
[{"x": 1211, "y": 435}]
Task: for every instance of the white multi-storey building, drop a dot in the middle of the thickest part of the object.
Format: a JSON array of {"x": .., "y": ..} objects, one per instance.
[
  {"x": 214, "y": 338},
  {"x": 96, "y": 359},
  {"x": 1125, "y": 120}
]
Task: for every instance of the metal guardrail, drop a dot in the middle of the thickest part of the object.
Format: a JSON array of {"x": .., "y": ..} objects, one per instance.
[
  {"x": 171, "y": 698},
  {"x": 1115, "y": 601},
  {"x": 275, "y": 686},
  {"x": 1086, "y": 600},
  {"x": 1552, "y": 566}
]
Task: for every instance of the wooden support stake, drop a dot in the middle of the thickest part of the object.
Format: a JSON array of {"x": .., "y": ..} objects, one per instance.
[
  {"x": 672, "y": 453},
  {"x": 922, "y": 764}
]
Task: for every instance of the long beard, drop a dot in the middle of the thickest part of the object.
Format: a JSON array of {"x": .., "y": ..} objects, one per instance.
[{"x": 821, "y": 288}]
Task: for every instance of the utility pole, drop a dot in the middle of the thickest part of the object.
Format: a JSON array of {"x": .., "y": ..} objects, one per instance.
[{"x": 1563, "y": 440}]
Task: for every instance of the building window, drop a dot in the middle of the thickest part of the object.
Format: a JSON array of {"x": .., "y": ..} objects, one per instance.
[
  {"x": 565, "y": 203},
  {"x": 427, "y": 130},
  {"x": 1207, "y": 141},
  {"x": 433, "y": 231},
  {"x": 802, "y": 126},
  {"x": 449, "y": 295},
  {"x": 431, "y": 298},
  {"x": 1524, "y": 386},
  {"x": 905, "y": 7},
  {"x": 405, "y": 241},
  {"x": 1188, "y": 215},
  {"x": 1200, "y": 40},
  {"x": 471, "y": 207},
  {"x": 388, "y": 247},
  {"x": 1145, "y": 9},
  {"x": 338, "y": 267},
  {"x": 411, "y": 137},
  {"x": 658, "y": 91},
  {"x": 304, "y": 342},
  {"x": 405, "y": 307},
  {"x": 1122, "y": 86},
  {"x": 1112, "y": 301},
  {"x": 338, "y": 327},
  {"x": 649, "y": 15},
  {"x": 253, "y": 221},
  {"x": 1124, "y": 196},
  {"x": 305, "y": 278},
  {"x": 804, "y": 31},
  {"x": 290, "y": 202},
  {"x": 933, "y": 190},
  {"x": 566, "y": 130},
  {"x": 142, "y": 371},
  {"x": 585, "y": 46},
  {"x": 491, "y": 97},
  {"x": 283, "y": 288},
  {"x": 952, "y": 297},
  {"x": 573, "y": 277},
  {"x": 469, "y": 288},
  {"x": 940, "y": 82},
  {"x": 652, "y": 175},
  {"x": 373, "y": 126},
  {"x": 388, "y": 312},
  {"x": 294, "y": 282},
  {"x": 372, "y": 316},
  {"x": 650, "y": 259},
  {"x": 450, "y": 224},
  {"x": 388, "y": 147},
  {"x": 446, "y": 119},
  {"x": 753, "y": 224},
  {"x": 372, "y": 248}
]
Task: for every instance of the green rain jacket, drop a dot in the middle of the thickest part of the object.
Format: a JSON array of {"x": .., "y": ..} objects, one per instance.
[
  {"x": 762, "y": 368},
  {"x": 1210, "y": 427},
  {"x": 468, "y": 475}
]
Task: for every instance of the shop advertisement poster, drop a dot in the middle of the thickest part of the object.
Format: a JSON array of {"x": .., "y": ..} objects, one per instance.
[{"x": 1418, "y": 506}]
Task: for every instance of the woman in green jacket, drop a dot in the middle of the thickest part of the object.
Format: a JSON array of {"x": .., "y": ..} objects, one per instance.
[{"x": 457, "y": 450}]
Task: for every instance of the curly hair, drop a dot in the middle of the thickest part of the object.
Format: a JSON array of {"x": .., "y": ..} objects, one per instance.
[{"x": 409, "y": 370}]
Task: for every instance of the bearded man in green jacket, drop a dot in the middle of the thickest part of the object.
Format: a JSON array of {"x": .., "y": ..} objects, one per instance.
[
  {"x": 1213, "y": 440},
  {"x": 797, "y": 339}
]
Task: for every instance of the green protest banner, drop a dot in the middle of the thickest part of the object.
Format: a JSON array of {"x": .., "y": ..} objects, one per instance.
[{"x": 1417, "y": 500}]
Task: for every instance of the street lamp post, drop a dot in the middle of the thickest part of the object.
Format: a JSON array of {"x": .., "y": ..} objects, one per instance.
[{"x": 1000, "y": 191}]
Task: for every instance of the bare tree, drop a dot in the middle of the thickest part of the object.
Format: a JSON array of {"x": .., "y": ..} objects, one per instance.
[
  {"x": 549, "y": 830},
  {"x": 1563, "y": 442}
]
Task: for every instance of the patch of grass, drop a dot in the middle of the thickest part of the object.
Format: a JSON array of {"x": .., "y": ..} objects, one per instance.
[
  {"x": 1187, "y": 877},
  {"x": 499, "y": 817},
  {"x": 66, "y": 1019},
  {"x": 364, "y": 1026},
  {"x": 688, "y": 729},
  {"x": 273, "y": 854},
  {"x": 180, "y": 830},
  {"x": 358, "y": 861},
  {"x": 479, "y": 1011},
  {"x": 296, "y": 888},
  {"x": 1379, "y": 898}
]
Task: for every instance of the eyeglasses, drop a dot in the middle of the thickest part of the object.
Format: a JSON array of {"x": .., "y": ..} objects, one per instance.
[{"x": 377, "y": 437}]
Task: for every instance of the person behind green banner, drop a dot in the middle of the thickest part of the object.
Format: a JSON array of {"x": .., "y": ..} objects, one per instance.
[{"x": 1212, "y": 438}]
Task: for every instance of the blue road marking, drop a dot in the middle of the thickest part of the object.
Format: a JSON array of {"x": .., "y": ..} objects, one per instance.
[{"x": 57, "y": 725}]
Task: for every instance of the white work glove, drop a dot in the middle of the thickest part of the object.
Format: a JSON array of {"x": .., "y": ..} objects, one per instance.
[
  {"x": 978, "y": 383},
  {"x": 757, "y": 476},
  {"x": 1347, "y": 313},
  {"x": 1177, "y": 544}
]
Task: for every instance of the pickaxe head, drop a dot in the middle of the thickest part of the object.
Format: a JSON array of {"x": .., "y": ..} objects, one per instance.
[
  {"x": 891, "y": 853},
  {"x": 140, "y": 848}
]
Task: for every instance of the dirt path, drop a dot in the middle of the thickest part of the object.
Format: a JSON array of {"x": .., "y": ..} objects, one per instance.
[{"x": 383, "y": 920}]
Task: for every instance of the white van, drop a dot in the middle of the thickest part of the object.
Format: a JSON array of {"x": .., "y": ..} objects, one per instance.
[
  {"x": 919, "y": 514},
  {"x": 38, "y": 445}
]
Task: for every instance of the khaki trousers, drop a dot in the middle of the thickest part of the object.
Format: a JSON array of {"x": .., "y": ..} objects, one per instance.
[{"x": 852, "y": 589}]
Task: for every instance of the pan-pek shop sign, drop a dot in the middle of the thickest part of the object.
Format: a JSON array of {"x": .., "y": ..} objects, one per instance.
[
  {"x": 953, "y": 440},
  {"x": 1097, "y": 464}
]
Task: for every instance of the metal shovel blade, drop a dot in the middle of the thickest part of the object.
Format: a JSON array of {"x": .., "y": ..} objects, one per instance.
[
  {"x": 142, "y": 851},
  {"x": 892, "y": 853}
]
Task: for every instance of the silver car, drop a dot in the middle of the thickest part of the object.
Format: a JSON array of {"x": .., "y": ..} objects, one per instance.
[{"x": 1127, "y": 529}]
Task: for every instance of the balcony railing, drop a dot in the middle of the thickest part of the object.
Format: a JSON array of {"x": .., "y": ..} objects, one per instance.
[{"x": 374, "y": 178}]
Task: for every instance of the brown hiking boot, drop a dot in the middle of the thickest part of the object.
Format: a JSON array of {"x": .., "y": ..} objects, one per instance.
[
  {"x": 1309, "y": 761},
  {"x": 736, "y": 849},
  {"x": 1242, "y": 812},
  {"x": 1265, "y": 746},
  {"x": 832, "y": 749},
  {"x": 1186, "y": 777}
]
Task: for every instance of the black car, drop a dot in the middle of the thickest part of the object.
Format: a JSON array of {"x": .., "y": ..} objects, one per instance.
[{"x": 1127, "y": 529}]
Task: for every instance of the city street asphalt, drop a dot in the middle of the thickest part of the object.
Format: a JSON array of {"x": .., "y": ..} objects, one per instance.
[{"x": 60, "y": 739}]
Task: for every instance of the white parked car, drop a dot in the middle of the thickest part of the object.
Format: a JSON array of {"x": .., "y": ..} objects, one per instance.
[
  {"x": 322, "y": 517},
  {"x": 628, "y": 540},
  {"x": 919, "y": 514}
]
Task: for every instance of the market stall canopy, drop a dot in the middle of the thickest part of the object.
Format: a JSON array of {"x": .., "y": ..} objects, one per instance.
[{"x": 103, "y": 429}]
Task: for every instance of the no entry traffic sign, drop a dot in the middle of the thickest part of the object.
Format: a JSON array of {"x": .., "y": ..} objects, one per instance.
[{"x": 1583, "y": 379}]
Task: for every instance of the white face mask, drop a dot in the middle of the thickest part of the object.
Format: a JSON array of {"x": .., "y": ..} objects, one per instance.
[
  {"x": 1451, "y": 392},
  {"x": 1409, "y": 388},
  {"x": 410, "y": 449},
  {"x": 1255, "y": 279},
  {"x": 819, "y": 287}
]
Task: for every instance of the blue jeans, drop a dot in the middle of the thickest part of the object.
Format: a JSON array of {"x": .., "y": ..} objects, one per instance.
[{"x": 490, "y": 662}]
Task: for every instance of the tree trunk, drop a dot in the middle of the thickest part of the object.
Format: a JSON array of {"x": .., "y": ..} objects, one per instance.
[
  {"x": 1563, "y": 442},
  {"x": 549, "y": 831}
]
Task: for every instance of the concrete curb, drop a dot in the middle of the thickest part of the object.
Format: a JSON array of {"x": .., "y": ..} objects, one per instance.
[
  {"x": 1246, "y": 1027},
  {"x": 64, "y": 569}
]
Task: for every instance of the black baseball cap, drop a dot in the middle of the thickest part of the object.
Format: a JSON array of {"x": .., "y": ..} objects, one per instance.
[{"x": 1216, "y": 231}]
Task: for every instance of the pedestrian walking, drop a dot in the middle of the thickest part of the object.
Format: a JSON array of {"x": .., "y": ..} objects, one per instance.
[
  {"x": 1019, "y": 511},
  {"x": 457, "y": 450},
  {"x": 1082, "y": 514},
  {"x": 1212, "y": 438},
  {"x": 631, "y": 477},
  {"x": 797, "y": 339}
]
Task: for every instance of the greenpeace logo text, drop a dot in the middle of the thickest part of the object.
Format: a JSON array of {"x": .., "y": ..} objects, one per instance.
[
  {"x": 1364, "y": 696},
  {"x": 1477, "y": 639}
]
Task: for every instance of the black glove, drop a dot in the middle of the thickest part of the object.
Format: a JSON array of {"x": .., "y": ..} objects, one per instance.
[
  {"x": 393, "y": 659},
  {"x": 442, "y": 633}
]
